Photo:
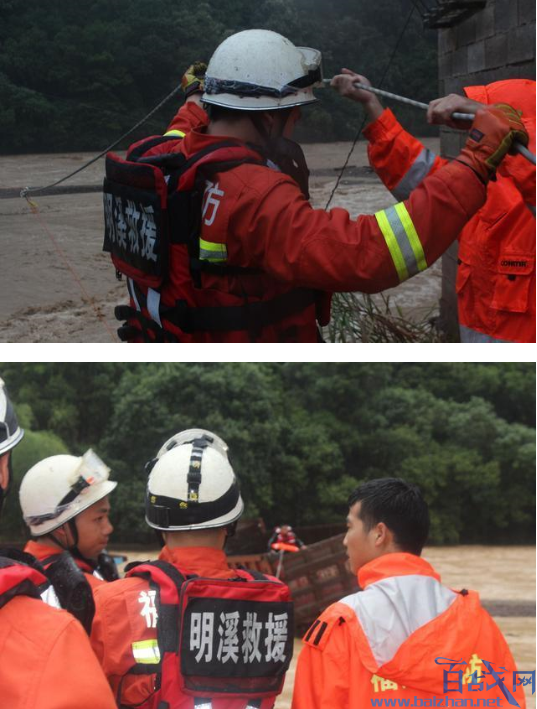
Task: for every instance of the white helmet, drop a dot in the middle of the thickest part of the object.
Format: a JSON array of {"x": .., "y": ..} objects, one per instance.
[
  {"x": 10, "y": 431},
  {"x": 190, "y": 435},
  {"x": 59, "y": 488},
  {"x": 192, "y": 486},
  {"x": 259, "y": 70}
]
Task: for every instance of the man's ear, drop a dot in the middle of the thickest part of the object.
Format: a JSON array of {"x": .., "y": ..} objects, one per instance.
[
  {"x": 383, "y": 535},
  {"x": 4, "y": 471},
  {"x": 63, "y": 533}
]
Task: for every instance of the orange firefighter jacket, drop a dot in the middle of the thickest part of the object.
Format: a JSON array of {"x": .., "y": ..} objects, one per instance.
[
  {"x": 41, "y": 552},
  {"x": 47, "y": 661},
  {"x": 496, "y": 274},
  {"x": 257, "y": 217},
  {"x": 382, "y": 642},
  {"x": 125, "y": 619}
]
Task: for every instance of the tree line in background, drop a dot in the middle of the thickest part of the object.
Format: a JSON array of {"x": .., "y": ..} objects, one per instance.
[
  {"x": 76, "y": 76},
  {"x": 301, "y": 436}
]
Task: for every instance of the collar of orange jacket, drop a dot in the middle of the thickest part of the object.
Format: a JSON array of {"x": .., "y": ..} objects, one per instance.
[
  {"x": 197, "y": 140},
  {"x": 41, "y": 551},
  {"x": 204, "y": 561},
  {"x": 398, "y": 564}
]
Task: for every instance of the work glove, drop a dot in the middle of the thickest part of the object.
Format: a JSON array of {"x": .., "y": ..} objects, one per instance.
[
  {"x": 491, "y": 137},
  {"x": 193, "y": 78}
]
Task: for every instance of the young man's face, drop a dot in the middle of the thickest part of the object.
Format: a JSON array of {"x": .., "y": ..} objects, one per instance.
[
  {"x": 361, "y": 545},
  {"x": 94, "y": 528}
]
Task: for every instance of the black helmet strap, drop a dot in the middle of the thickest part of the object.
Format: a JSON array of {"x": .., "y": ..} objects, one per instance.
[{"x": 194, "y": 469}]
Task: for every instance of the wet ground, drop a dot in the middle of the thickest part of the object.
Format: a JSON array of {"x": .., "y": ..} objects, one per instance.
[
  {"x": 505, "y": 580},
  {"x": 58, "y": 286}
]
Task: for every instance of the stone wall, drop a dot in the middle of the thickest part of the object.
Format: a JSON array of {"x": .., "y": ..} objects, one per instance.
[{"x": 494, "y": 44}]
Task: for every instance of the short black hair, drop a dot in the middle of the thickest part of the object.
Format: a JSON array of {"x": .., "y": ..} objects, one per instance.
[{"x": 399, "y": 505}]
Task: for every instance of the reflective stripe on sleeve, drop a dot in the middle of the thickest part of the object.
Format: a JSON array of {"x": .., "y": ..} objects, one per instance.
[
  {"x": 214, "y": 252},
  {"x": 402, "y": 241},
  {"x": 178, "y": 133},
  {"x": 146, "y": 652},
  {"x": 417, "y": 172}
]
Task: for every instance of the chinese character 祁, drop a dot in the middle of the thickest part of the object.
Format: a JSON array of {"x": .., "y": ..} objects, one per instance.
[{"x": 149, "y": 611}]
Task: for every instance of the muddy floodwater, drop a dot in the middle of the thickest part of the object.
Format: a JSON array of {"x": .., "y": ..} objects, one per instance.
[
  {"x": 505, "y": 580},
  {"x": 58, "y": 286}
]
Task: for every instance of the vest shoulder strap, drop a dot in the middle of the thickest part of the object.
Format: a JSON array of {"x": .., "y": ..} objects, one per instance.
[{"x": 17, "y": 579}]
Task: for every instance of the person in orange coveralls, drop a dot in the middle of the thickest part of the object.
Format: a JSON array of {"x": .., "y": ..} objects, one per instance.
[
  {"x": 404, "y": 636},
  {"x": 496, "y": 273},
  {"x": 46, "y": 661},
  {"x": 264, "y": 263},
  {"x": 193, "y": 500},
  {"x": 64, "y": 502}
]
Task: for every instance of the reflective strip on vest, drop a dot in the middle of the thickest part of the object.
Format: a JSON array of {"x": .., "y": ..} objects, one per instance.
[
  {"x": 132, "y": 293},
  {"x": 178, "y": 133},
  {"x": 146, "y": 652},
  {"x": 469, "y": 335},
  {"x": 417, "y": 172},
  {"x": 402, "y": 240},
  {"x": 50, "y": 597},
  {"x": 213, "y": 252},
  {"x": 153, "y": 304}
]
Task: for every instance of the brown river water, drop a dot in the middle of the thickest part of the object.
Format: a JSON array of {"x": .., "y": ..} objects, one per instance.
[{"x": 41, "y": 299}]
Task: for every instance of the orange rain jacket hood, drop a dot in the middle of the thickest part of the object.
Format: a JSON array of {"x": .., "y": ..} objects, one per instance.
[{"x": 381, "y": 643}]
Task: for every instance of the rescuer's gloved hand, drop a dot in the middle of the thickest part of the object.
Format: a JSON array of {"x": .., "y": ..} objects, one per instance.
[
  {"x": 193, "y": 78},
  {"x": 491, "y": 137}
]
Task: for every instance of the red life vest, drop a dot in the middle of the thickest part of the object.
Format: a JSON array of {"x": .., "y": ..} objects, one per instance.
[
  {"x": 19, "y": 580},
  {"x": 153, "y": 208},
  {"x": 218, "y": 638}
]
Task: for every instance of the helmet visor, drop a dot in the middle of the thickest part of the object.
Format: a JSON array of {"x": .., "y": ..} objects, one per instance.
[
  {"x": 90, "y": 471},
  {"x": 313, "y": 66}
]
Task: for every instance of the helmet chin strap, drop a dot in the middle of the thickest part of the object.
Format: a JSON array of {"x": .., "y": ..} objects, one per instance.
[{"x": 73, "y": 548}]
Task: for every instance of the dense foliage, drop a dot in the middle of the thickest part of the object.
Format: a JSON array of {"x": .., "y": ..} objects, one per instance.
[
  {"x": 301, "y": 435},
  {"x": 76, "y": 76}
]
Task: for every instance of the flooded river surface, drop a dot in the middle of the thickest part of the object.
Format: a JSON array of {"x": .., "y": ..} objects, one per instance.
[{"x": 58, "y": 286}]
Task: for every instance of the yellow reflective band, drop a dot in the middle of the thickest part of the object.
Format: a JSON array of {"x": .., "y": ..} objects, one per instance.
[
  {"x": 176, "y": 132},
  {"x": 412, "y": 234},
  {"x": 146, "y": 652},
  {"x": 393, "y": 246},
  {"x": 212, "y": 251}
]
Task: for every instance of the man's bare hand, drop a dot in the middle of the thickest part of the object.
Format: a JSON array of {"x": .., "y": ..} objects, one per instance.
[
  {"x": 344, "y": 84},
  {"x": 440, "y": 110}
]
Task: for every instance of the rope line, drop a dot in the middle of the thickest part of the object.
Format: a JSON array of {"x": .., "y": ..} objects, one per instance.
[
  {"x": 386, "y": 70},
  {"x": 24, "y": 192}
]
